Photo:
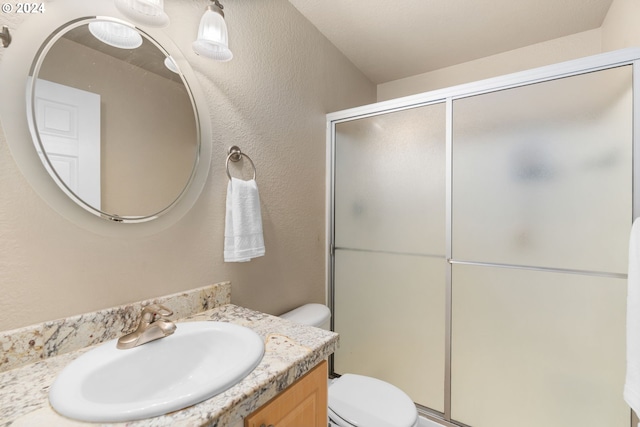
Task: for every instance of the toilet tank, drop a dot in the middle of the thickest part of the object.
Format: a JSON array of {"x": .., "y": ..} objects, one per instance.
[{"x": 313, "y": 314}]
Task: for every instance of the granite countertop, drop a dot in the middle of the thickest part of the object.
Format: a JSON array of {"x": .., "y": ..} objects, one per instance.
[{"x": 290, "y": 351}]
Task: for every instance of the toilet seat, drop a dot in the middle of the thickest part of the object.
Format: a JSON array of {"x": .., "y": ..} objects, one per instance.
[{"x": 356, "y": 400}]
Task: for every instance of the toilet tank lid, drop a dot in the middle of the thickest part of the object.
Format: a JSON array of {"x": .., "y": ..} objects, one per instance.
[{"x": 309, "y": 314}]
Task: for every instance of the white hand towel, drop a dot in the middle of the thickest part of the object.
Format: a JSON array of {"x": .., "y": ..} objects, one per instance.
[
  {"x": 632, "y": 380},
  {"x": 243, "y": 239}
]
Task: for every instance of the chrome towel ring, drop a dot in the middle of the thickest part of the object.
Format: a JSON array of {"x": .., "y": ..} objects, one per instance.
[{"x": 235, "y": 154}]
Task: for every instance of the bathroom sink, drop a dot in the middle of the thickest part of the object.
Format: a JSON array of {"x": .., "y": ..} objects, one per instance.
[{"x": 197, "y": 362}]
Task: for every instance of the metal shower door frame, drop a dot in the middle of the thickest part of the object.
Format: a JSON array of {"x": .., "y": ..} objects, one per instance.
[{"x": 599, "y": 62}]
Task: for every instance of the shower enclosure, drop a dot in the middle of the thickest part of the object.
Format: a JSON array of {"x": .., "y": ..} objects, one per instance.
[{"x": 478, "y": 243}]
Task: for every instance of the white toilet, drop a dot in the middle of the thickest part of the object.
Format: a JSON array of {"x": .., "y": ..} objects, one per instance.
[{"x": 356, "y": 400}]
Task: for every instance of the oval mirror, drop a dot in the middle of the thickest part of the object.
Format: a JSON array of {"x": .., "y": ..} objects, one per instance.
[{"x": 113, "y": 119}]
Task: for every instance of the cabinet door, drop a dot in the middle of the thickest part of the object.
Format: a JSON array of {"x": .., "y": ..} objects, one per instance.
[{"x": 302, "y": 404}]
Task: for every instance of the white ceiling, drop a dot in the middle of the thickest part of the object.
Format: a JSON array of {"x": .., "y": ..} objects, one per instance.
[{"x": 391, "y": 39}]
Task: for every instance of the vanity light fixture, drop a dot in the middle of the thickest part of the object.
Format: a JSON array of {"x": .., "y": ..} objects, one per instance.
[
  {"x": 115, "y": 34},
  {"x": 145, "y": 12},
  {"x": 213, "y": 39}
]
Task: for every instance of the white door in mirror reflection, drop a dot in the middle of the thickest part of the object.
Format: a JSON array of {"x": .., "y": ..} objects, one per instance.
[{"x": 68, "y": 122}]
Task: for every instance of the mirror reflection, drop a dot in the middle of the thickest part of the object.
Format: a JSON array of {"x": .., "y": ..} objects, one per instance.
[{"x": 115, "y": 127}]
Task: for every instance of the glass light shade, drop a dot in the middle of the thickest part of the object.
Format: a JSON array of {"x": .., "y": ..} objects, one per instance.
[
  {"x": 145, "y": 12},
  {"x": 115, "y": 34},
  {"x": 171, "y": 64},
  {"x": 213, "y": 39}
]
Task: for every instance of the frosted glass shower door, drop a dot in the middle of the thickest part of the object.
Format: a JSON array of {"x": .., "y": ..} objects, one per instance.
[
  {"x": 541, "y": 214},
  {"x": 389, "y": 264}
]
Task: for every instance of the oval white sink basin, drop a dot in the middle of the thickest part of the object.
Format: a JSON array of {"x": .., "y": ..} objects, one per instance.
[{"x": 197, "y": 362}]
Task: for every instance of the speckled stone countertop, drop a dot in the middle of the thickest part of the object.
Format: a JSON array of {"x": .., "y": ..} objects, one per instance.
[{"x": 290, "y": 351}]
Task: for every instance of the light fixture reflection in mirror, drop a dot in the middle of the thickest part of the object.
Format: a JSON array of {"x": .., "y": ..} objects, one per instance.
[
  {"x": 171, "y": 65},
  {"x": 115, "y": 129},
  {"x": 116, "y": 34}
]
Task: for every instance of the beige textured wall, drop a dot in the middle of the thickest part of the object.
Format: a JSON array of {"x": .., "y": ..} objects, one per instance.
[
  {"x": 271, "y": 100},
  {"x": 619, "y": 30},
  {"x": 537, "y": 55}
]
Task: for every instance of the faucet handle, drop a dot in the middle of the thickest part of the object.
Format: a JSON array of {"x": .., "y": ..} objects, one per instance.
[
  {"x": 153, "y": 312},
  {"x": 152, "y": 326}
]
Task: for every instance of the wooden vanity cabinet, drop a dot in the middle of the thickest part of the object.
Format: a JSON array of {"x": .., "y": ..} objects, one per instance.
[{"x": 303, "y": 404}]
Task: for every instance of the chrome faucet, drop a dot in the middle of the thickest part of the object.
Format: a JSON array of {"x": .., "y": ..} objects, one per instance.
[{"x": 153, "y": 325}]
